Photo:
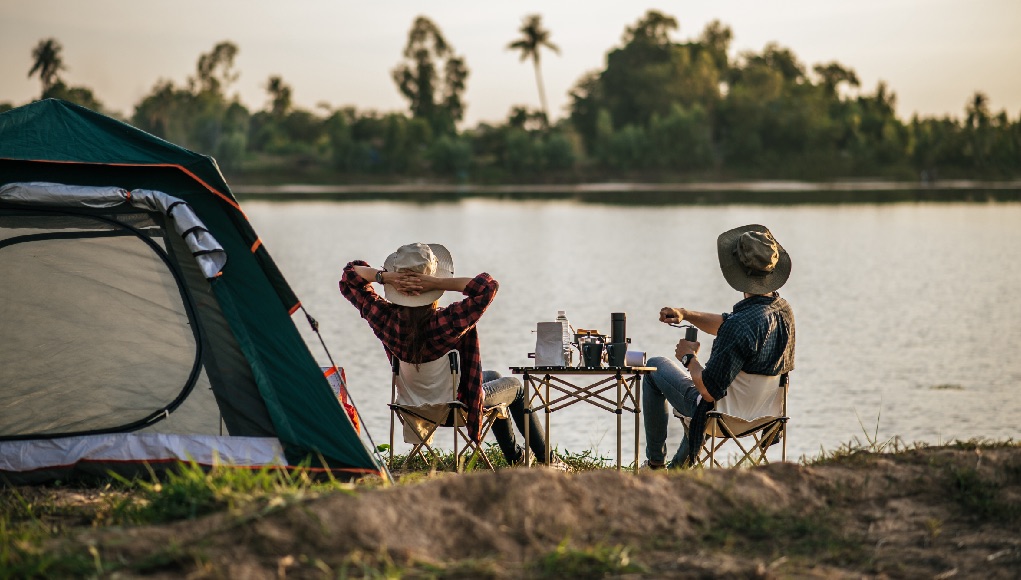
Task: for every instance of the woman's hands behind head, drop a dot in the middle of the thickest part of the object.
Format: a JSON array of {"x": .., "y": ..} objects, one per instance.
[{"x": 413, "y": 283}]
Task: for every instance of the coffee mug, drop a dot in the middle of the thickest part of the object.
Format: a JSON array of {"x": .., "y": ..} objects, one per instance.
[
  {"x": 592, "y": 354},
  {"x": 615, "y": 352}
]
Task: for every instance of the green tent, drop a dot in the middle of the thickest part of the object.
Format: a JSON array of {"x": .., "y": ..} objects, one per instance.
[{"x": 141, "y": 316}]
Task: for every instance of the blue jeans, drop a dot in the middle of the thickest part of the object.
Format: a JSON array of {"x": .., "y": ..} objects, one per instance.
[
  {"x": 669, "y": 383},
  {"x": 511, "y": 392}
]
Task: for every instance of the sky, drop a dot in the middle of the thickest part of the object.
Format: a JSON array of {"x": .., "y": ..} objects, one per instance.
[{"x": 933, "y": 54}]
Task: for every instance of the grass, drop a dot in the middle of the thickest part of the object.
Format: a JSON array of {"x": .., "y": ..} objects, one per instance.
[
  {"x": 783, "y": 533},
  {"x": 191, "y": 491},
  {"x": 594, "y": 562},
  {"x": 24, "y": 536},
  {"x": 984, "y": 496},
  {"x": 32, "y": 523},
  {"x": 28, "y": 526},
  {"x": 417, "y": 467}
]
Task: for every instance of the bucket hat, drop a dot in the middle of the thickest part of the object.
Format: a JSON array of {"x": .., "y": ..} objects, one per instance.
[
  {"x": 430, "y": 259},
  {"x": 752, "y": 260}
]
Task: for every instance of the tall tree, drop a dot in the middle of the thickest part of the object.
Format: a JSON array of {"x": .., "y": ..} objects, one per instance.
[
  {"x": 533, "y": 38},
  {"x": 47, "y": 62},
  {"x": 214, "y": 71},
  {"x": 432, "y": 77},
  {"x": 279, "y": 94}
]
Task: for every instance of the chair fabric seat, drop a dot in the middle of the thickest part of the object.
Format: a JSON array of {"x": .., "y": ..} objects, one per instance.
[
  {"x": 755, "y": 406},
  {"x": 424, "y": 397}
]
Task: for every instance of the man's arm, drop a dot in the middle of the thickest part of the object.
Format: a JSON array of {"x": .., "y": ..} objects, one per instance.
[
  {"x": 704, "y": 321},
  {"x": 694, "y": 367}
]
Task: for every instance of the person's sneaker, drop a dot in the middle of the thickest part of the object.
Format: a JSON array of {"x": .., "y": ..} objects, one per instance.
[
  {"x": 648, "y": 466},
  {"x": 556, "y": 464},
  {"x": 520, "y": 462}
]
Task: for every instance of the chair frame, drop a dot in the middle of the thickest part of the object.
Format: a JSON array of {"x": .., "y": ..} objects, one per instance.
[
  {"x": 456, "y": 418},
  {"x": 764, "y": 434}
]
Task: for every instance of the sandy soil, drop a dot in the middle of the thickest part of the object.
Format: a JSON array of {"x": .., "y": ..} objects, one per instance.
[{"x": 952, "y": 512}]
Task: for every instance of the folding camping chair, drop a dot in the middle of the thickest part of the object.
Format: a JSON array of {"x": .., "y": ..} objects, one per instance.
[
  {"x": 422, "y": 402},
  {"x": 753, "y": 417}
]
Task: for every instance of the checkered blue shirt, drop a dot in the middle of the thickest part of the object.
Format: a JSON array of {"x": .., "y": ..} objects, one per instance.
[{"x": 757, "y": 338}]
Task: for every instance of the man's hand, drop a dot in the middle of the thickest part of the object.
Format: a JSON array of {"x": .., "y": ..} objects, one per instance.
[
  {"x": 686, "y": 347},
  {"x": 671, "y": 315}
]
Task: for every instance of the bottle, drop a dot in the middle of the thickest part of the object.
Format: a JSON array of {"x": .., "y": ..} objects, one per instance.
[{"x": 562, "y": 318}]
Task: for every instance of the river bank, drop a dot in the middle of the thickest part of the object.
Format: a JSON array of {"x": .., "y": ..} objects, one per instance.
[
  {"x": 926, "y": 512},
  {"x": 849, "y": 191}
]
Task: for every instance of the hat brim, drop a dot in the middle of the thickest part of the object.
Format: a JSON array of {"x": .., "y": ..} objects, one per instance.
[
  {"x": 444, "y": 269},
  {"x": 734, "y": 272}
]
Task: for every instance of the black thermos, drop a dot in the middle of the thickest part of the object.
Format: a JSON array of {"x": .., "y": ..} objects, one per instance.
[{"x": 618, "y": 327}]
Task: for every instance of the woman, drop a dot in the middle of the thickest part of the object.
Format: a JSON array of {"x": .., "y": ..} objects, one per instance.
[{"x": 412, "y": 327}]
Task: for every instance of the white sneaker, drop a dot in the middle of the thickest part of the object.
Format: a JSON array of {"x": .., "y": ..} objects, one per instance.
[
  {"x": 646, "y": 466},
  {"x": 556, "y": 464}
]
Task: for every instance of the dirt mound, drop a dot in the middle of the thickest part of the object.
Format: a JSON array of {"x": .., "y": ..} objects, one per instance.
[{"x": 937, "y": 512}]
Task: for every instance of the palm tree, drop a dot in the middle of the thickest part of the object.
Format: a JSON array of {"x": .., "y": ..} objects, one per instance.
[
  {"x": 533, "y": 38},
  {"x": 48, "y": 62}
]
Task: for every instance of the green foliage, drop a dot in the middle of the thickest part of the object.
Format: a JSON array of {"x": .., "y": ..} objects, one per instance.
[
  {"x": 451, "y": 156},
  {"x": 24, "y": 539},
  {"x": 47, "y": 62},
  {"x": 594, "y": 562},
  {"x": 190, "y": 491},
  {"x": 432, "y": 77},
  {"x": 984, "y": 496},
  {"x": 78, "y": 95},
  {"x": 660, "y": 109},
  {"x": 784, "y": 533}
]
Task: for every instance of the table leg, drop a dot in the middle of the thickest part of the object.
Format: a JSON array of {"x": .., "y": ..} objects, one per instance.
[
  {"x": 528, "y": 414},
  {"x": 620, "y": 411},
  {"x": 549, "y": 438},
  {"x": 637, "y": 390}
]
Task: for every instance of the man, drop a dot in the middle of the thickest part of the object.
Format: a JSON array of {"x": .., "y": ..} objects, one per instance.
[{"x": 754, "y": 344}]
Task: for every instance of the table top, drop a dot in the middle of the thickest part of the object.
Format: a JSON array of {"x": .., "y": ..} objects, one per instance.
[{"x": 581, "y": 370}]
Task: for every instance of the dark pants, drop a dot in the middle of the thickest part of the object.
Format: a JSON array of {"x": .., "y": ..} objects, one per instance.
[{"x": 509, "y": 390}]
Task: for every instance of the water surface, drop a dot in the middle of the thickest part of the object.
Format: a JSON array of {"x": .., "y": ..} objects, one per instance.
[{"x": 908, "y": 315}]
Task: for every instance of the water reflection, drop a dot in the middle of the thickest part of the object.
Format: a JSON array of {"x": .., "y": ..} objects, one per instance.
[{"x": 908, "y": 315}]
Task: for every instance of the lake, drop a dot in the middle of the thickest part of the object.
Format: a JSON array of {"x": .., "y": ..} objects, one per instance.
[{"x": 908, "y": 314}]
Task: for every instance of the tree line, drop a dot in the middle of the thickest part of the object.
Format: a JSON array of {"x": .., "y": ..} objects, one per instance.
[{"x": 658, "y": 110}]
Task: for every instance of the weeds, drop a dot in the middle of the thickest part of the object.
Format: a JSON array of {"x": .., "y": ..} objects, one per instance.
[
  {"x": 783, "y": 534},
  {"x": 191, "y": 491},
  {"x": 24, "y": 552},
  {"x": 981, "y": 496},
  {"x": 856, "y": 448},
  {"x": 595, "y": 562},
  {"x": 416, "y": 467}
]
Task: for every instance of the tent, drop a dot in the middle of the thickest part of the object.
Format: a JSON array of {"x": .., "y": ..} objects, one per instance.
[{"x": 142, "y": 321}]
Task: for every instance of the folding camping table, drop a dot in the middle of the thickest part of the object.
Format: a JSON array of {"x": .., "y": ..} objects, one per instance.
[{"x": 550, "y": 389}]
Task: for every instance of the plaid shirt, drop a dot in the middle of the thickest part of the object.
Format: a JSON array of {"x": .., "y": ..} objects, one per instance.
[
  {"x": 449, "y": 328},
  {"x": 757, "y": 338}
]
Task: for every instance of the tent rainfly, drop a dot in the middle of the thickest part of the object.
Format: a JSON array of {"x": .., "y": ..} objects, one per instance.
[{"x": 142, "y": 321}]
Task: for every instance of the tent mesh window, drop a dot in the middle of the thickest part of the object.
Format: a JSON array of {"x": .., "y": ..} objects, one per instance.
[{"x": 99, "y": 333}]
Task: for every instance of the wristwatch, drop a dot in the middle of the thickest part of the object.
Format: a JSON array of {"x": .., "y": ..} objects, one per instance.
[
  {"x": 379, "y": 276},
  {"x": 686, "y": 359}
]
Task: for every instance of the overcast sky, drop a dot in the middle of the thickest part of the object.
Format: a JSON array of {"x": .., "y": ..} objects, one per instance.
[{"x": 934, "y": 54}]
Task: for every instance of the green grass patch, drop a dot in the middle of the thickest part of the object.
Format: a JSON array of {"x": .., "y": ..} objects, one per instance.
[
  {"x": 190, "y": 491},
  {"x": 416, "y": 467},
  {"x": 774, "y": 534},
  {"x": 983, "y": 497},
  {"x": 594, "y": 562},
  {"x": 24, "y": 543}
]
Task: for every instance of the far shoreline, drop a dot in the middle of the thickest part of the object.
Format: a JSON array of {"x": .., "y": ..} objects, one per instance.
[{"x": 758, "y": 191}]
